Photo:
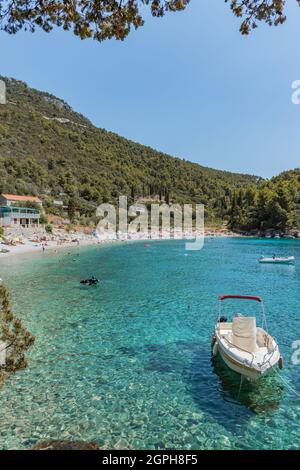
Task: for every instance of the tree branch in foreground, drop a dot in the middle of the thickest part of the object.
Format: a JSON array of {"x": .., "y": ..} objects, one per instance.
[
  {"x": 106, "y": 19},
  {"x": 14, "y": 338},
  {"x": 270, "y": 12}
]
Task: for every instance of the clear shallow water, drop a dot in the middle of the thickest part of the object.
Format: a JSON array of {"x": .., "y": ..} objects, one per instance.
[{"x": 128, "y": 363}]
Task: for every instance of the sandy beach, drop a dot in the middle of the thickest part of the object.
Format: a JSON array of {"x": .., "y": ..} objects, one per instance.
[
  {"x": 31, "y": 247},
  {"x": 66, "y": 240}
]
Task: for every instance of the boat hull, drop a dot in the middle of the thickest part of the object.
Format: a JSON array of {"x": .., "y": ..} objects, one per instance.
[
  {"x": 245, "y": 348},
  {"x": 241, "y": 369},
  {"x": 277, "y": 261},
  {"x": 251, "y": 371}
]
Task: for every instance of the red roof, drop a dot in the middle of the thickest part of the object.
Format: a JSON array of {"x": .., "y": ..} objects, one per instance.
[{"x": 14, "y": 197}]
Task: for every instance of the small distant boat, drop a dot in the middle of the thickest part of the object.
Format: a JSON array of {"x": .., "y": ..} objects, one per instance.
[
  {"x": 244, "y": 347},
  {"x": 277, "y": 260}
]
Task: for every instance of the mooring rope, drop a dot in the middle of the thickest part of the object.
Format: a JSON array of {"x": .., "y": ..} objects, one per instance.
[
  {"x": 289, "y": 386},
  {"x": 241, "y": 381}
]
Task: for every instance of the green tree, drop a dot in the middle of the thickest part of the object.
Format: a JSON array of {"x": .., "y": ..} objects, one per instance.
[
  {"x": 49, "y": 228},
  {"x": 272, "y": 205},
  {"x": 72, "y": 207}
]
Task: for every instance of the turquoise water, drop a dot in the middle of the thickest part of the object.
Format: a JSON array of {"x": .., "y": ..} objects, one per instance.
[{"x": 128, "y": 363}]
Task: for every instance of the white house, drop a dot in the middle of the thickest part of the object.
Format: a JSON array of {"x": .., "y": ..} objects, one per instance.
[{"x": 12, "y": 215}]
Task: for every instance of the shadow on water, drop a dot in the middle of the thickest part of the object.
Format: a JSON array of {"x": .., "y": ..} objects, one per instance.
[
  {"x": 226, "y": 398},
  {"x": 260, "y": 397},
  {"x": 214, "y": 388}
]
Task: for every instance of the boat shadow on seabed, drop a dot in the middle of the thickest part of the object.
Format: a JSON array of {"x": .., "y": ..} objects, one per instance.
[
  {"x": 230, "y": 400},
  {"x": 261, "y": 397},
  {"x": 215, "y": 389}
]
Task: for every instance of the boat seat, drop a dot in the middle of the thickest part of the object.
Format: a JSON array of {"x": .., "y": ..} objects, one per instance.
[
  {"x": 244, "y": 333},
  {"x": 261, "y": 353}
]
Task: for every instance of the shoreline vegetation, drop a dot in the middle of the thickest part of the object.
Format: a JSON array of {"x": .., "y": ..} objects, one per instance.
[
  {"x": 272, "y": 206},
  {"x": 14, "y": 339}
]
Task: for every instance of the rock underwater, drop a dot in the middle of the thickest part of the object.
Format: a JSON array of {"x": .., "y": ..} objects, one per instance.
[{"x": 65, "y": 445}]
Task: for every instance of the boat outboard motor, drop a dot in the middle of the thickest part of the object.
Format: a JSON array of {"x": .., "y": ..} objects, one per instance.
[{"x": 223, "y": 319}]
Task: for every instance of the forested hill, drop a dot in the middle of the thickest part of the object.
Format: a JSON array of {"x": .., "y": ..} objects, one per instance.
[
  {"x": 49, "y": 150},
  {"x": 271, "y": 205}
]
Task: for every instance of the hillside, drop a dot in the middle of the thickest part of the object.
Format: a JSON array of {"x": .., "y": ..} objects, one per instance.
[
  {"x": 271, "y": 205},
  {"x": 47, "y": 149}
]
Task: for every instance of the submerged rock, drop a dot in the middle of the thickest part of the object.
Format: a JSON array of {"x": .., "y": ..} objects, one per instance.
[{"x": 65, "y": 445}]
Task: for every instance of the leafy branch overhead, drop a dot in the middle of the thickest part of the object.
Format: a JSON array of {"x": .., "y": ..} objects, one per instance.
[
  {"x": 105, "y": 19},
  {"x": 253, "y": 11}
]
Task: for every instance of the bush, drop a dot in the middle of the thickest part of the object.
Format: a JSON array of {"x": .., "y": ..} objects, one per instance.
[
  {"x": 69, "y": 228},
  {"x": 49, "y": 228},
  {"x": 43, "y": 219}
]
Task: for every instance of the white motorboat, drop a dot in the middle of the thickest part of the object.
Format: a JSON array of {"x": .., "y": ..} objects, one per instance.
[
  {"x": 244, "y": 347},
  {"x": 277, "y": 260}
]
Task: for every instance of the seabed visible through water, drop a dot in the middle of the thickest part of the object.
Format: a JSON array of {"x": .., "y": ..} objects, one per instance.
[{"x": 128, "y": 364}]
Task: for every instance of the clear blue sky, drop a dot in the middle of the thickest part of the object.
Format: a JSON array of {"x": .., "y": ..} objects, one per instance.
[{"x": 188, "y": 84}]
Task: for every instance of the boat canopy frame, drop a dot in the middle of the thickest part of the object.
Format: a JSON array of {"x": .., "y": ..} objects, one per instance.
[
  {"x": 255, "y": 298},
  {"x": 245, "y": 297}
]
